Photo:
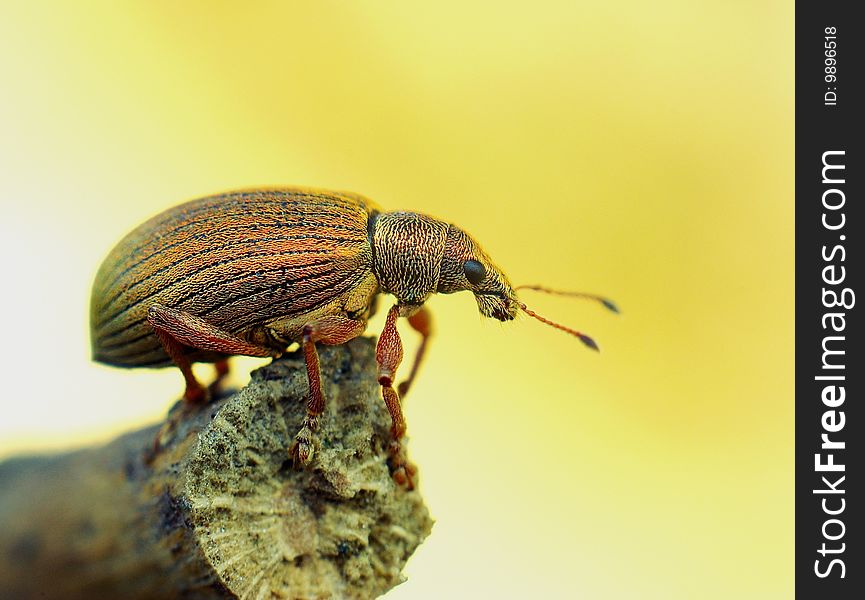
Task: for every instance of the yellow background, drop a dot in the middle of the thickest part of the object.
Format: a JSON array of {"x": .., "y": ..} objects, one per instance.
[{"x": 639, "y": 149}]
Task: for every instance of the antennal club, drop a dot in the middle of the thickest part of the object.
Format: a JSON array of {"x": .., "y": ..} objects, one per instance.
[
  {"x": 609, "y": 304},
  {"x": 582, "y": 336}
]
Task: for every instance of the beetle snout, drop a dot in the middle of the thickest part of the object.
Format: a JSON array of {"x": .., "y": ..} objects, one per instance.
[
  {"x": 497, "y": 306},
  {"x": 503, "y": 315}
]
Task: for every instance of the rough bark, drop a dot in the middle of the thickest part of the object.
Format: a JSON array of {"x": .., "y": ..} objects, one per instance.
[{"x": 219, "y": 511}]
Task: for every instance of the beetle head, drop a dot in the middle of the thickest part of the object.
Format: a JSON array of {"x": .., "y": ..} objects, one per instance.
[
  {"x": 416, "y": 255},
  {"x": 465, "y": 266}
]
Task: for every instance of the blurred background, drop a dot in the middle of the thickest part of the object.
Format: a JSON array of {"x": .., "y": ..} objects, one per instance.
[{"x": 640, "y": 150}]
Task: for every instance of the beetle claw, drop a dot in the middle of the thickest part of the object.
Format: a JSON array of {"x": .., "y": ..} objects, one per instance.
[
  {"x": 302, "y": 448},
  {"x": 403, "y": 472}
]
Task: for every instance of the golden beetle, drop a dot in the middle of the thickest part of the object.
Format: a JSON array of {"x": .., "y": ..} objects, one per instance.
[{"x": 251, "y": 272}]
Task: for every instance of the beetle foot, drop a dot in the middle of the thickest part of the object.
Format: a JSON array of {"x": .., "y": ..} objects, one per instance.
[
  {"x": 303, "y": 446},
  {"x": 402, "y": 471},
  {"x": 195, "y": 395}
]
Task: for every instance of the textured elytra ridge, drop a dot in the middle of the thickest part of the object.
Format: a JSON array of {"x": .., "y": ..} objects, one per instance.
[
  {"x": 340, "y": 527},
  {"x": 219, "y": 512}
]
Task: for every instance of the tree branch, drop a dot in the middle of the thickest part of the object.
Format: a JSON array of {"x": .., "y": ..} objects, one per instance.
[{"x": 219, "y": 511}]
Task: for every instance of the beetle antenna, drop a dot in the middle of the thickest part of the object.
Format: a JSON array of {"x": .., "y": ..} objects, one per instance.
[
  {"x": 582, "y": 336},
  {"x": 605, "y": 301}
]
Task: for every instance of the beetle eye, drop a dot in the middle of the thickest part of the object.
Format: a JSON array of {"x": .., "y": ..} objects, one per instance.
[{"x": 474, "y": 271}]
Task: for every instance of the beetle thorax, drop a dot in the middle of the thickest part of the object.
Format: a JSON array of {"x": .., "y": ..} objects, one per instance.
[{"x": 407, "y": 254}]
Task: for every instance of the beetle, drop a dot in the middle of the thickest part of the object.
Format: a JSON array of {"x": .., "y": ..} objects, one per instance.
[{"x": 252, "y": 272}]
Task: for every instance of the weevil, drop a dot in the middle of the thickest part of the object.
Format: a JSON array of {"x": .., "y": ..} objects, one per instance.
[{"x": 253, "y": 272}]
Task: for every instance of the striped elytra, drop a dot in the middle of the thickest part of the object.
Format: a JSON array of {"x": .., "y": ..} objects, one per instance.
[{"x": 236, "y": 260}]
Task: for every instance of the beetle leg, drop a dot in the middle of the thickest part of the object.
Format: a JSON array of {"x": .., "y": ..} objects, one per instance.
[
  {"x": 177, "y": 329},
  {"x": 421, "y": 322},
  {"x": 330, "y": 330},
  {"x": 388, "y": 355},
  {"x": 195, "y": 393}
]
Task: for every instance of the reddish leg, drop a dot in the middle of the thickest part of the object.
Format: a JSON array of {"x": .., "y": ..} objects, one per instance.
[
  {"x": 388, "y": 355},
  {"x": 327, "y": 330},
  {"x": 179, "y": 330},
  {"x": 421, "y": 322},
  {"x": 195, "y": 393}
]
